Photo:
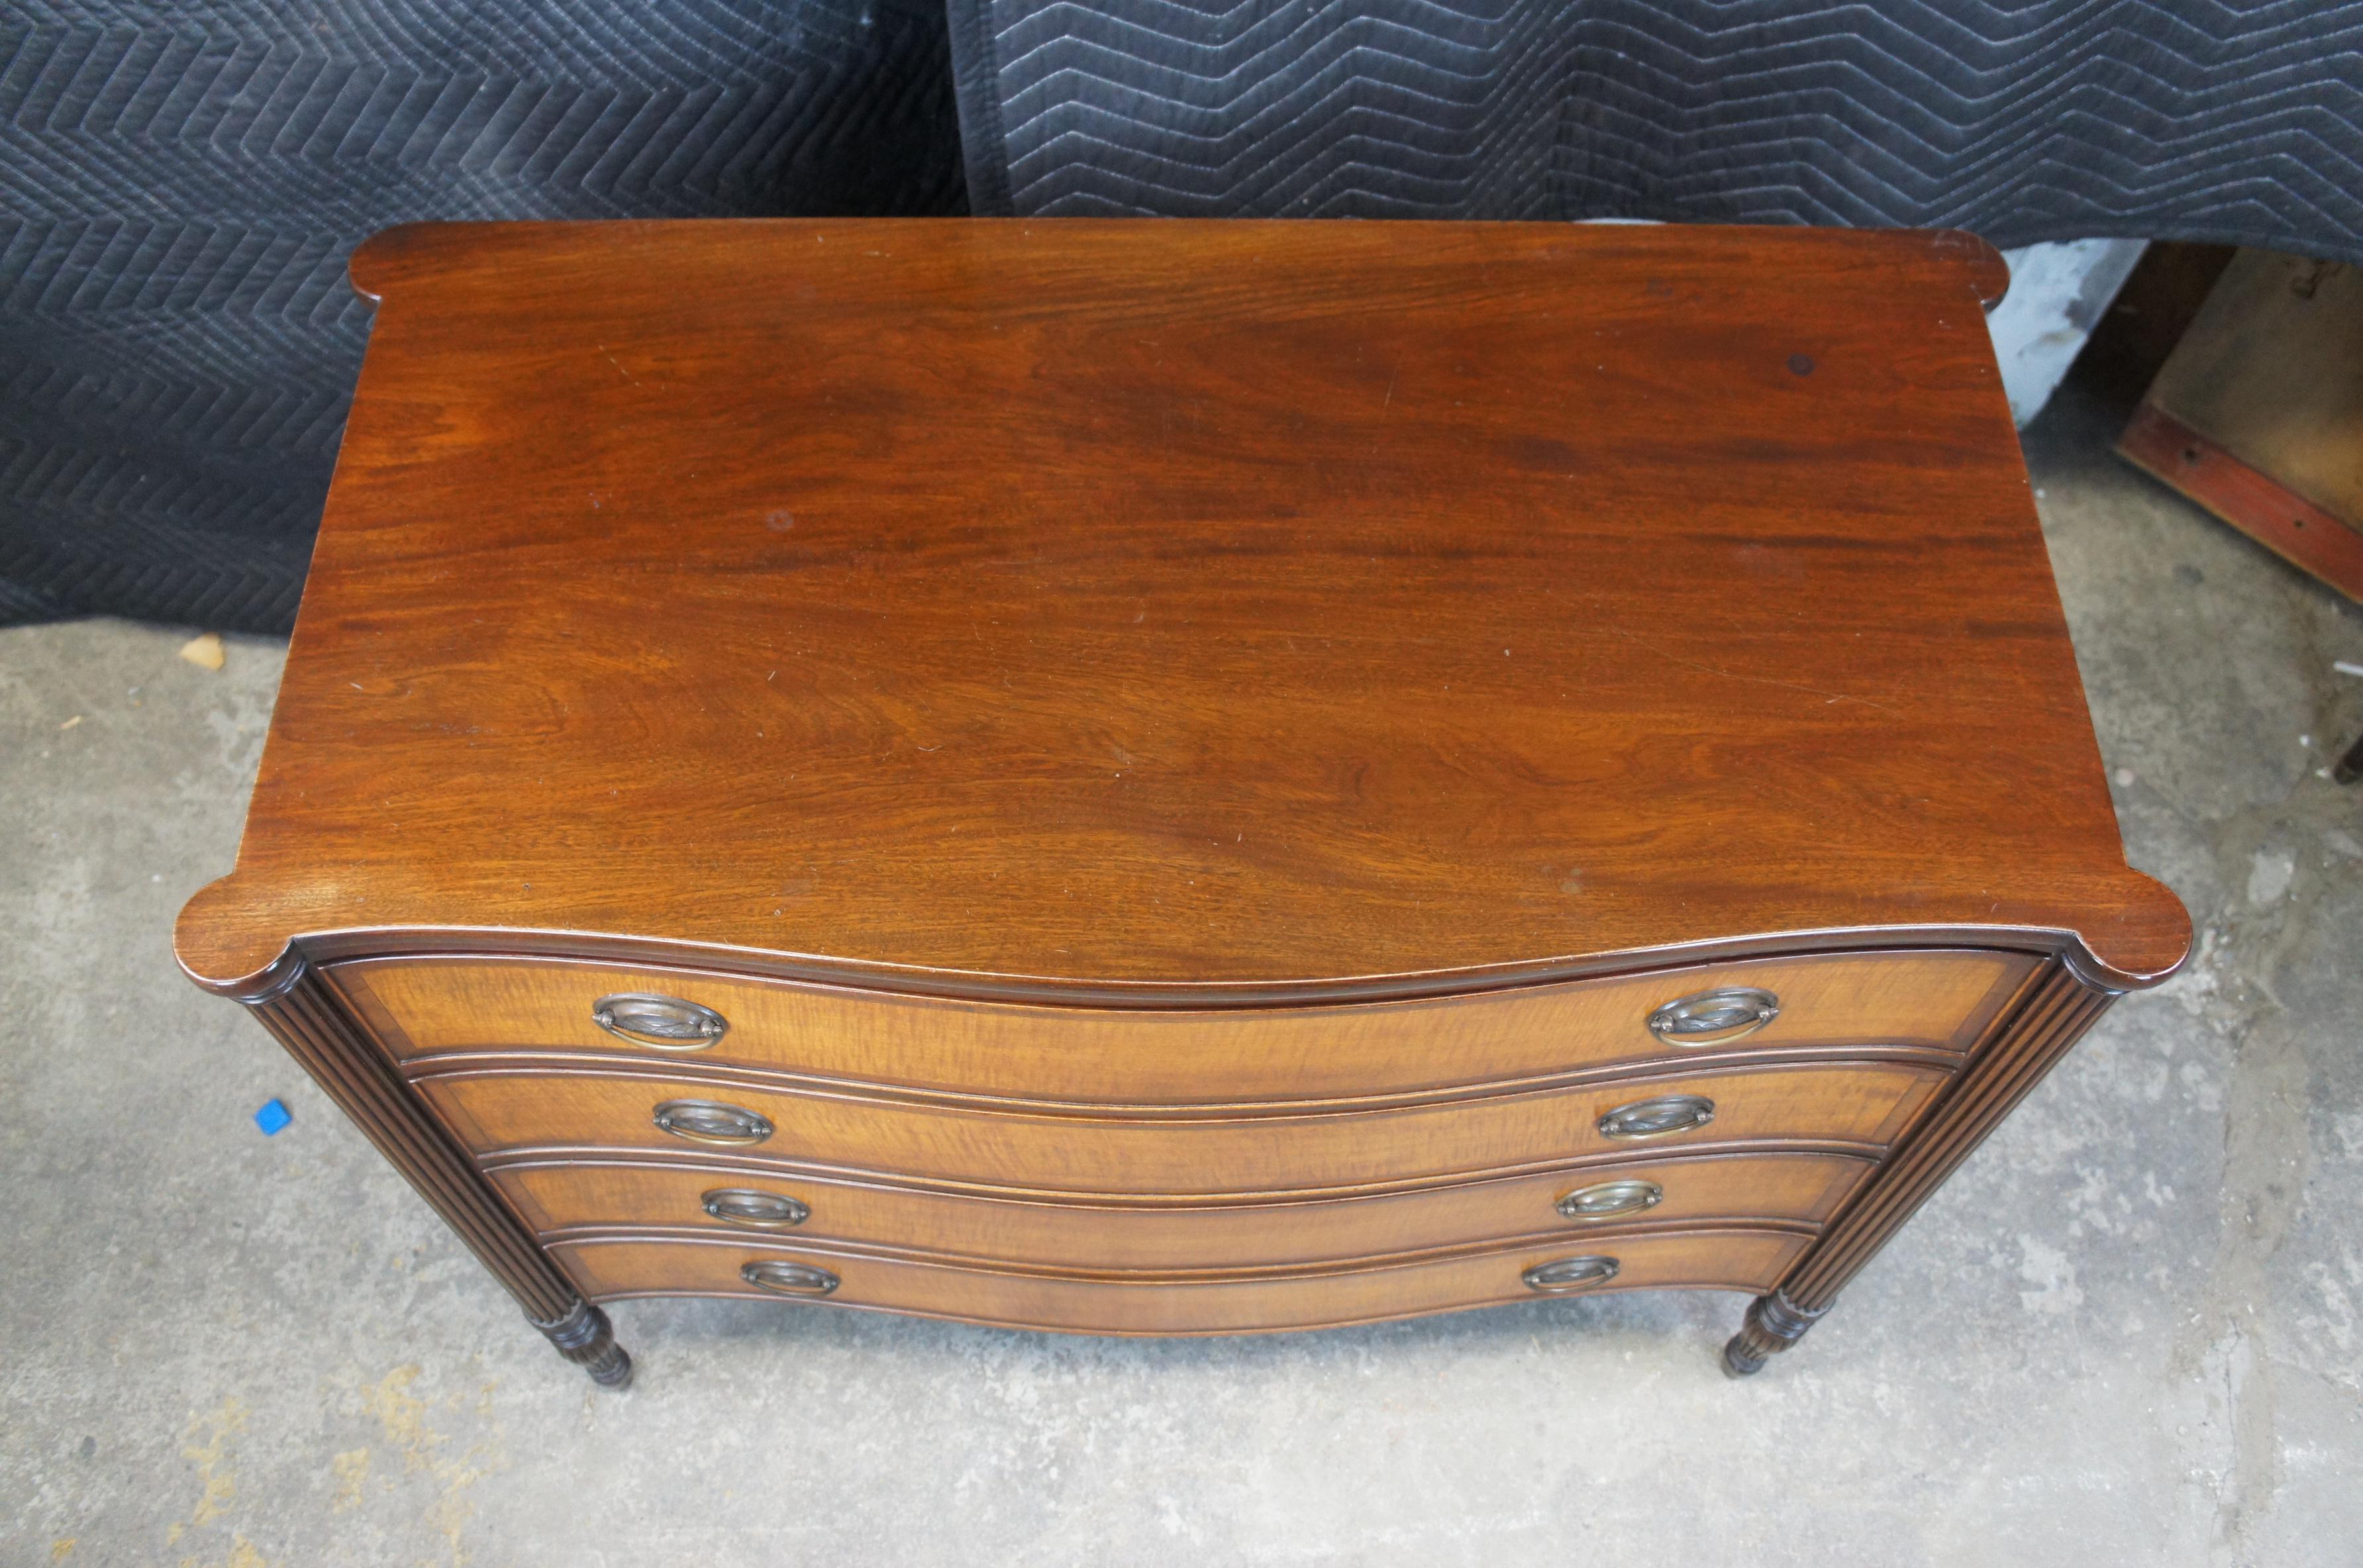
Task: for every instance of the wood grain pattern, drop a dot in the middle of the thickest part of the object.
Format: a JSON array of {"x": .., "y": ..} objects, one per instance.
[
  {"x": 1729, "y": 1260},
  {"x": 492, "y": 1111},
  {"x": 1213, "y": 608},
  {"x": 575, "y": 1195},
  {"x": 429, "y": 1007}
]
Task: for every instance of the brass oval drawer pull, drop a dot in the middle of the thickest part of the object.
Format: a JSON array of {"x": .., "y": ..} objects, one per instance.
[
  {"x": 664, "y": 1023},
  {"x": 1715, "y": 1018},
  {"x": 782, "y": 1278},
  {"x": 710, "y": 1121},
  {"x": 1608, "y": 1200},
  {"x": 1661, "y": 1117},
  {"x": 1572, "y": 1274},
  {"x": 757, "y": 1211}
]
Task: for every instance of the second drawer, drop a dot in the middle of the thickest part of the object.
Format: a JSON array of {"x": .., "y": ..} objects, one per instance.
[
  {"x": 491, "y": 1111},
  {"x": 614, "y": 1194}
]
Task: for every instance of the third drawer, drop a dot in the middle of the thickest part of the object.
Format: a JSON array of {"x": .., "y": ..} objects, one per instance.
[{"x": 567, "y": 1196}]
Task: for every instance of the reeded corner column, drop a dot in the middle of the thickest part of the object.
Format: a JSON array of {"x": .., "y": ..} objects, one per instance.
[
  {"x": 2062, "y": 1005},
  {"x": 304, "y": 1013}
]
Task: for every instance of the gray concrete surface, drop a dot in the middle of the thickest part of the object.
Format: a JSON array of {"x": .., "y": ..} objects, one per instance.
[{"x": 2129, "y": 1333}]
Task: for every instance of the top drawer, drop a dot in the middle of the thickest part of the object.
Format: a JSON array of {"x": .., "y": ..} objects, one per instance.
[{"x": 1929, "y": 1000}]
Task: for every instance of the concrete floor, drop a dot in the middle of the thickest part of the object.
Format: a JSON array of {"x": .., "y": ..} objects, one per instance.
[{"x": 2131, "y": 1332}]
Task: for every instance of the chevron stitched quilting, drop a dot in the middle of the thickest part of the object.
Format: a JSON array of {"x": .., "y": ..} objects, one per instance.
[
  {"x": 180, "y": 187},
  {"x": 2050, "y": 119}
]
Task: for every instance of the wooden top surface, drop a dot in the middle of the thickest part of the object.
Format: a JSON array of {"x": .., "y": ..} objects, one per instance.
[{"x": 1171, "y": 605}]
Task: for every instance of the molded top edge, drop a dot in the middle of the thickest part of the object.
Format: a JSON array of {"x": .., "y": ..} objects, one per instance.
[{"x": 281, "y": 969}]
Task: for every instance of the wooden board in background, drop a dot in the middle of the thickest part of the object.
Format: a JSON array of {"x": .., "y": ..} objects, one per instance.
[{"x": 2258, "y": 415}]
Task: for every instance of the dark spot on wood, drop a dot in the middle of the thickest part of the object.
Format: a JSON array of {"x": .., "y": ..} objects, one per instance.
[
  {"x": 1800, "y": 364},
  {"x": 1541, "y": 452}
]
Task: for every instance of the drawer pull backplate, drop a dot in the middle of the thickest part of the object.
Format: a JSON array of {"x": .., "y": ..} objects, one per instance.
[
  {"x": 1610, "y": 1200},
  {"x": 783, "y": 1278},
  {"x": 1570, "y": 1273},
  {"x": 1715, "y": 1018},
  {"x": 1661, "y": 1117},
  {"x": 711, "y": 1122},
  {"x": 756, "y": 1211},
  {"x": 663, "y": 1023}
]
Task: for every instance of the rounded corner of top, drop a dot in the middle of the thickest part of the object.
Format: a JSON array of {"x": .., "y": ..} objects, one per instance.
[
  {"x": 2149, "y": 942},
  {"x": 1989, "y": 269},
  {"x": 379, "y": 261},
  {"x": 222, "y": 956}
]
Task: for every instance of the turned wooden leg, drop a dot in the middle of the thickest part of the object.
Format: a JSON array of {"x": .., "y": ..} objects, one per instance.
[
  {"x": 584, "y": 1337},
  {"x": 1773, "y": 1324}
]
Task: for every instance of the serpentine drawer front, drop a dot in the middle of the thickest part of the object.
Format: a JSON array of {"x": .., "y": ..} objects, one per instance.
[
  {"x": 1713, "y": 1259},
  {"x": 1177, "y": 778},
  {"x": 1856, "y": 1108},
  {"x": 1940, "y": 1001},
  {"x": 1567, "y": 1205}
]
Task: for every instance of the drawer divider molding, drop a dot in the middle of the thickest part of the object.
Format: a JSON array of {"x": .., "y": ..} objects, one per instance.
[
  {"x": 557, "y": 1064},
  {"x": 753, "y": 1161},
  {"x": 726, "y": 1163},
  {"x": 1322, "y": 1268}
]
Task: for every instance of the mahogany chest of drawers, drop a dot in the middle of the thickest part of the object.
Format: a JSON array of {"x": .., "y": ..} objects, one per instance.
[{"x": 1170, "y": 778}]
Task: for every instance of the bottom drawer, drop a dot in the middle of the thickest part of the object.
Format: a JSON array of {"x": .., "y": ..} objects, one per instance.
[
  {"x": 621, "y": 1193},
  {"x": 1715, "y": 1259}
]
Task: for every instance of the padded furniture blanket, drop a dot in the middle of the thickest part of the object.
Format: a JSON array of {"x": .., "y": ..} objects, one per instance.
[
  {"x": 179, "y": 185},
  {"x": 2042, "y": 119}
]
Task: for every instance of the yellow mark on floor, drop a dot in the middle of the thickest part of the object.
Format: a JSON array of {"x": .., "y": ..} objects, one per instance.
[
  {"x": 61, "y": 1549},
  {"x": 403, "y": 1416},
  {"x": 352, "y": 1475},
  {"x": 207, "y": 1444},
  {"x": 243, "y": 1554},
  {"x": 212, "y": 1456}
]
